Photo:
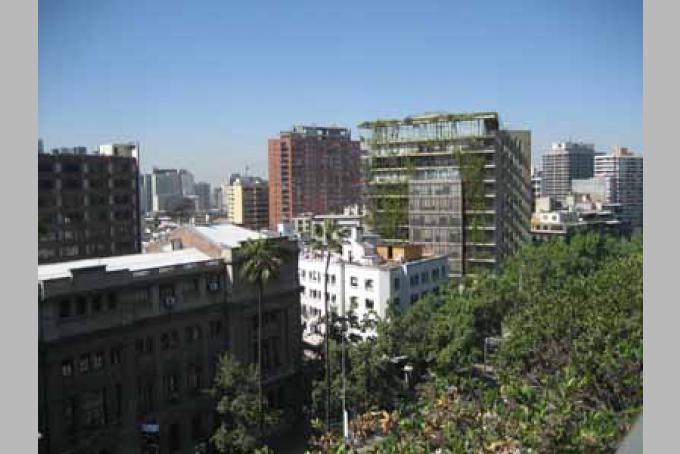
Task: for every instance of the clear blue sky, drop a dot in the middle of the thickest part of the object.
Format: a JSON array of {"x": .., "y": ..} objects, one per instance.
[{"x": 203, "y": 84}]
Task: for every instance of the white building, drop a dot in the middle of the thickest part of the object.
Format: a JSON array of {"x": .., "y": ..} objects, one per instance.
[
  {"x": 622, "y": 171},
  {"x": 367, "y": 276},
  {"x": 304, "y": 224}
]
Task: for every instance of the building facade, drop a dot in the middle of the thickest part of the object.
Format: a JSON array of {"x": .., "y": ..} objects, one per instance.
[
  {"x": 303, "y": 226},
  {"x": 456, "y": 184},
  {"x": 247, "y": 200},
  {"x": 367, "y": 277},
  {"x": 129, "y": 345},
  {"x": 88, "y": 204},
  {"x": 564, "y": 162},
  {"x": 202, "y": 190},
  {"x": 536, "y": 183},
  {"x": 186, "y": 182},
  {"x": 312, "y": 169},
  {"x": 622, "y": 172},
  {"x": 166, "y": 189}
]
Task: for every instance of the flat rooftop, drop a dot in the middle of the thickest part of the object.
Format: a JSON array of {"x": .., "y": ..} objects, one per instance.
[
  {"x": 132, "y": 262},
  {"x": 228, "y": 235}
]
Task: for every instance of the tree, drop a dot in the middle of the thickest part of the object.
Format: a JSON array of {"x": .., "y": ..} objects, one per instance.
[
  {"x": 262, "y": 260},
  {"x": 327, "y": 240},
  {"x": 236, "y": 390}
]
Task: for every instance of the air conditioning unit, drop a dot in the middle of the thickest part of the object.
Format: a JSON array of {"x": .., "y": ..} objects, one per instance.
[{"x": 169, "y": 301}]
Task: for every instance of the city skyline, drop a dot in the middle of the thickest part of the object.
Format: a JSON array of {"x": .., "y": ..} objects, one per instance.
[{"x": 203, "y": 87}]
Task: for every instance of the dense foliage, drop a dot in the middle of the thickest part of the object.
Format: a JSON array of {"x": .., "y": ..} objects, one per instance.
[
  {"x": 236, "y": 392},
  {"x": 567, "y": 376}
]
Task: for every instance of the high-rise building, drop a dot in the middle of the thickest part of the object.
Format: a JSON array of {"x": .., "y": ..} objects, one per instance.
[
  {"x": 146, "y": 193},
  {"x": 218, "y": 199},
  {"x": 312, "y": 169},
  {"x": 536, "y": 178},
  {"x": 166, "y": 189},
  {"x": 565, "y": 162},
  {"x": 622, "y": 170},
  {"x": 41, "y": 146},
  {"x": 247, "y": 200},
  {"x": 454, "y": 183},
  {"x": 186, "y": 181},
  {"x": 88, "y": 204},
  {"x": 202, "y": 190}
]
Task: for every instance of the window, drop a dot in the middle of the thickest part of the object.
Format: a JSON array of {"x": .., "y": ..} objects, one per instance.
[
  {"x": 174, "y": 338},
  {"x": 397, "y": 283},
  {"x": 171, "y": 386},
  {"x": 145, "y": 395},
  {"x": 139, "y": 346},
  {"x": 112, "y": 300},
  {"x": 96, "y": 304},
  {"x": 213, "y": 283},
  {"x": 148, "y": 345},
  {"x": 165, "y": 341},
  {"x": 67, "y": 368},
  {"x": 115, "y": 355},
  {"x": 443, "y": 271},
  {"x": 64, "y": 308},
  {"x": 397, "y": 302},
  {"x": 196, "y": 428},
  {"x": 215, "y": 328},
  {"x": 369, "y": 304},
  {"x": 368, "y": 284},
  {"x": 414, "y": 298},
  {"x": 332, "y": 279},
  {"x": 92, "y": 407},
  {"x": 435, "y": 274},
  {"x": 302, "y": 274},
  {"x": 193, "y": 378},
  {"x": 353, "y": 301},
  {"x": 70, "y": 407},
  {"x": 425, "y": 277},
  {"x": 414, "y": 280},
  {"x": 354, "y": 281},
  {"x": 98, "y": 360},
  {"x": 84, "y": 364}
]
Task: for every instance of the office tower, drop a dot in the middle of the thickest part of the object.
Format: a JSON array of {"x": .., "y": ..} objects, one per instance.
[
  {"x": 218, "y": 199},
  {"x": 146, "y": 193},
  {"x": 312, "y": 169},
  {"x": 202, "y": 190},
  {"x": 457, "y": 184},
  {"x": 186, "y": 181},
  {"x": 247, "y": 200},
  {"x": 565, "y": 162},
  {"x": 41, "y": 146},
  {"x": 166, "y": 189},
  {"x": 622, "y": 171},
  {"x": 128, "y": 345},
  {"x": 88, "y": 204}
]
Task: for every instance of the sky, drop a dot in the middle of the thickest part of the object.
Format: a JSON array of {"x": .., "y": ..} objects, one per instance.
[{"x": 203, "y": 84}]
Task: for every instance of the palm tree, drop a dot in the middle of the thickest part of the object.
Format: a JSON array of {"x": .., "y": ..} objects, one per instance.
[
  {"x": 262, "y": 260},
  {"x": 327, "y": 239}
]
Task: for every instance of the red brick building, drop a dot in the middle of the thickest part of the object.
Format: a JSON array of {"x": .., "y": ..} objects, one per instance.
[{"x": 312, "y": 169}]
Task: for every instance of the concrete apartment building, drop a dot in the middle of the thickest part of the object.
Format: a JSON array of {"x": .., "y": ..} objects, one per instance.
[
  {"x": 457, "y": 184},
  {"x": 622, "y": 170},
  {"x": 247, "y": 201},
  {"x": 564, "y": 224},
  {"x": 367, "y": 276},
  {"x": 129, "y": 344},
  {"x": 312, "y": 169},
  {"x": 564, "y": 162},
  {"x": 88, "y": 203}
]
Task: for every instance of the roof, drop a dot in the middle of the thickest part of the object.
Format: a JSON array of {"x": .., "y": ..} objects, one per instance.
[
  {"x": 228, "y": 235},
  {"x": 429, "y": 117},
  {"x": 132, "y": 262}
]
